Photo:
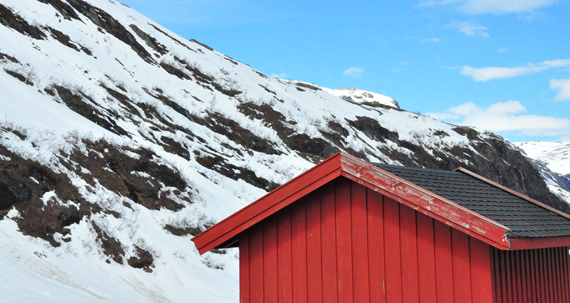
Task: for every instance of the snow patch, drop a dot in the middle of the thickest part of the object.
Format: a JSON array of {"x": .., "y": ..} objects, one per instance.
[{"x": 362, "y": 96}]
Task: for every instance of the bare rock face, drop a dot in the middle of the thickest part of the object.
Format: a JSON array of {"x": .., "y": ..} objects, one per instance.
[
  {"x": 37, "y": 192},
  {"x": 105, "y": 21},
  {"x": 10, "y": 19}
]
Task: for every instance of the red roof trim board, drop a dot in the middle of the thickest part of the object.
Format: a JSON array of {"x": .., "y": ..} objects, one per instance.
[
  {"x": 426, "y": 202},
  {"x": 534, "y": 243},
  {"x": 405, "y": 192}
]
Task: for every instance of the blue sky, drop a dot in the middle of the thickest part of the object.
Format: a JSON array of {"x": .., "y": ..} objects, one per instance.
[{"x": 502, "y": 65}]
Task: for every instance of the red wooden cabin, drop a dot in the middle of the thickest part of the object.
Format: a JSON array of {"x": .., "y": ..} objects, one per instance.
[{"x": 350, "y": 231}]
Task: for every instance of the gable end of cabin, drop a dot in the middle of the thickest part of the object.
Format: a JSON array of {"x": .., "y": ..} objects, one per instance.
[{"x": 348, "y": 243}]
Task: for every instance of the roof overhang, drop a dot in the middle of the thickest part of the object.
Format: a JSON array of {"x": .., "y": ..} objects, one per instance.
[
  {"x": 535, "y": 243},
  {"x": 225, "y": 233}
]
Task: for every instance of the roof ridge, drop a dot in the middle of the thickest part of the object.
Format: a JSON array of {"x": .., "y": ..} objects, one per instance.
[
  {"x": 510, "y": 191},
  {"x": 413, "y": 168}
]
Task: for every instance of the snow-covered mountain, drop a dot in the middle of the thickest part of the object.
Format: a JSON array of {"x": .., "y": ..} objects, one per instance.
[
  {"x": 120, "y": 140},
  {"x": 363, "y": 97},
  {"x": 556, "y": 155},
  {"x": 552, "y": 160}
]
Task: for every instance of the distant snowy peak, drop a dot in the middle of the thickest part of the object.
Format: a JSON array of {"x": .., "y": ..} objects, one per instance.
[
  {"x": 552, "y": 160},
  {"x": 555, "y": 154},
  {"x": 363, "y": 96}
]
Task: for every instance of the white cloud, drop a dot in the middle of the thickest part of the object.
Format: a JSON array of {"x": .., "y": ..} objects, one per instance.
[
  {"x": 557, "y": 63},
  {"x": 491, "y": 73},
  {"x": 470, "y": 29},
  {"x": 563, "y": 85},
  {"x": 355, "y": 72},
  {"x": 432, "y": 40},
  {"x": 505, "y": 116},
  {"x": 502, "y": 50},
  {"x": 480, "y": 7}
]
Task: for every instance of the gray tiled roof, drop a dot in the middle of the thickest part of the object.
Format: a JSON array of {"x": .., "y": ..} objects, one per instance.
[{"x": 526, "y": 219}]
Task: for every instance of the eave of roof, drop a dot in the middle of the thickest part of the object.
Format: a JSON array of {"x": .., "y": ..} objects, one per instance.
[{"x": 472, "y": 223}]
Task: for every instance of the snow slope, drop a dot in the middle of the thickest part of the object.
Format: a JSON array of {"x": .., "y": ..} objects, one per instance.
[
  {"x": 120, "y": 140},
  {"x": 555, "y": 154},
  {"x": 552, "y": 159},
  {"x": 362, "y": 96}
]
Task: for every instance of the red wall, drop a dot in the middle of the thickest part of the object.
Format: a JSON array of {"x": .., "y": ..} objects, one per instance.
[
  {"x": 346, "y": 243},
  {"x": 535, "y": 275}
]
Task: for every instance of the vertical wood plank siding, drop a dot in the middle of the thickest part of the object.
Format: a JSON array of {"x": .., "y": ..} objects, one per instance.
[
  {"x": 244, "y": 267},
  {"x": 347, "y": 243},
  {"x": 536, "y": 275}
]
